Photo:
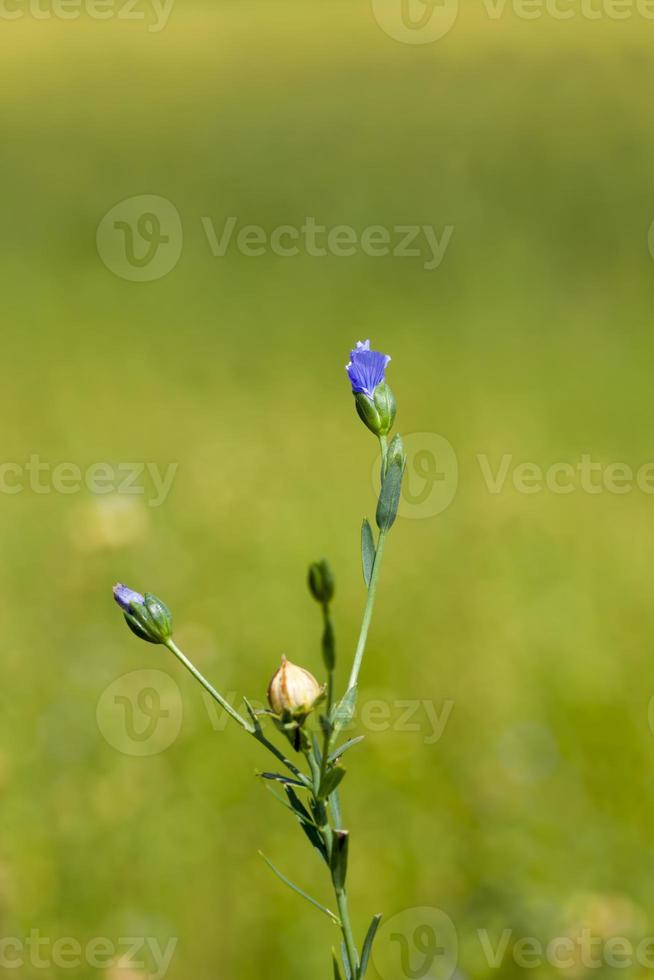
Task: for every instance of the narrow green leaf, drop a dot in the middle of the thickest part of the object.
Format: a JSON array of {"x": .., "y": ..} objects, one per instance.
[
  {"x": 326, "y": 725},
  {"x": 335, "y": 804},
  {"x": 297, "y": 804},
  {"x": 344, "y": 711},
  {"x": 253, "y": 715},
  {"x": 299, "y": 891},
  {"x": 279, "y": 798},
  {"x": 342, "y": 749},
  {"x": 389, "y": 498},
  {"x": 331, "y": 781},
  {"x": 367, "y": 945},
  {"x": 307, "y": 824},
  {"x": 367, "y": 551},
  {"x": 281, "y": 779},
  {"x": 346, "y": 963},
  {"x": 337, "y": 970}
]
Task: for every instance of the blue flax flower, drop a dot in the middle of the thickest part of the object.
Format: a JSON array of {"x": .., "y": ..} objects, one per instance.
[{"x": 366, "y": 368}]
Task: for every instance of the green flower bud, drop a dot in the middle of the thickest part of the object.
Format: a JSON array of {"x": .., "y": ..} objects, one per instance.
[
  {"x": 321, "y": 581},
  {"x": 378, "y": 412},
  {"x": 146, "y": 615}
]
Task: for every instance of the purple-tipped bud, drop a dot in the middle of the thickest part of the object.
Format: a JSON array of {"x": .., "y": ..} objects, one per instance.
[
  {"x": 146, "y": 615},
  {"x": 125, "y": 597},
  {"x": 373, "y": 398}
]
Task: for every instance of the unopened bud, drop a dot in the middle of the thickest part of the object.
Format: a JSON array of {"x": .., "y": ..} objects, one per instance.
[
  {"x": 146, "y": 615},
  {"x": 293, "y": 691},
  {"x": 321, "y": 581}
]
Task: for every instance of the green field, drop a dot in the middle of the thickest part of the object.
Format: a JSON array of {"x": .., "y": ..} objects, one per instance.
[{"x": 523, "y": 620}]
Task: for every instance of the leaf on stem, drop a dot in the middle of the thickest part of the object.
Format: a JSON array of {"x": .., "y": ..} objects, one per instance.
[
  {"x": 346, "y": 963},
  {"x": 367, "y": 551},
  {"x": 335, "y": 804},
  {"x": 307, "y": 824},
  {"x": 298, "y": 890},
  {"x": 344, "y": 711},
  {"x": 342, "y": 749},
  {"x": 253, "y": 715},
  {"x": 337, "y": 970},
  {"x": 330, "y": 781},
  {"x": 281, "y": 779},
  {"x": 389, "y": 498},
  {"x": 367, "y": 945}
]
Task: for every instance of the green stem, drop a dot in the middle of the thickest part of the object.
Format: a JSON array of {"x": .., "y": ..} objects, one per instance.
[
  {"x": 346, "y": 927},
  {"x": 372, "y": 588},
  {"x": 341, "y": 894},
  {"x": 367, "y": 613},
  {"x": 254, "y": 730},
  {"x": 208, "y": 687},
  {"x": 261, "y": 738}
]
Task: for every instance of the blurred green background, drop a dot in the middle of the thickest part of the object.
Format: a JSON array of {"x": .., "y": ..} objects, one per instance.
[{"x": 529, "y": 614}]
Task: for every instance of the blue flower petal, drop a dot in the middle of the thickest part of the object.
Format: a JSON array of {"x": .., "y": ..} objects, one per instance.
[
  {"x": 366, "y": 368},
  {"x": 124, "y": 597}
]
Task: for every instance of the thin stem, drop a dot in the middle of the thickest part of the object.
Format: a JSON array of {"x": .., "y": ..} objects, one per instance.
[
  {"x": 261, "y": 738},
  {"x": 326, "y": 747},
  {"x": 346, "y": 927},
  {"x": 330, "y": 677},
  {"x": 208, "y": 687},
  {"x": 372, "y": 588},
  {"x": 367, "y": 613},
  {"x": 254, "y": 730},
  {"x": 328, "y": 837}
]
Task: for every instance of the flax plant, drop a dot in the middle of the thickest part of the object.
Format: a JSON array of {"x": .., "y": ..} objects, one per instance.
[{"x": 311, "y": 771}]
